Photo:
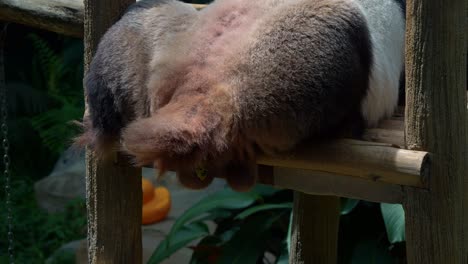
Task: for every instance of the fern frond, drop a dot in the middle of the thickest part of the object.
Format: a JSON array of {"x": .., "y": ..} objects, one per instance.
[
  {"x": 54, "y": 128},
  {"x": 51, "y": 64},
  {"x": 23, "y": 98}
]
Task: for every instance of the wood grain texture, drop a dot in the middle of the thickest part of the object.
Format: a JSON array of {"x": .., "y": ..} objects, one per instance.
[
  {"x": 436, "y": 122},
  {"x": 372, "y": 161},
  {"x": 314, "y": 234},
  {"x": 113, "y": 187},
  {"x": 322, "y": 183},
  {"x": 394, "y": 137},
  {"x": 61, "y": 16}
]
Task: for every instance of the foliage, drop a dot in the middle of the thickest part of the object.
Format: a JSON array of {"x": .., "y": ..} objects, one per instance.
[
  {"x": 348, "y": 205},
  {"x": 394, "y": 218},
  {"x": 248, "y": 225},
  {"x": 38, "y": 234},
  {"x": 44, "y": 80},
  {"x": 251, "y": 225},
  {"x": 63, "y": 79}
]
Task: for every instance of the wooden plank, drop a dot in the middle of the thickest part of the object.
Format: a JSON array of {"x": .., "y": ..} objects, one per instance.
[
  {"x": 321, "y": 183},
  {"x": 113, "y": 188},
  {"x": 436, "y": 115},
  {"x": 61, "y": 16},
  {"x": 314, "y": 234},
  {"x": 372, "y": 161},
  {"x": 394, "y": 137}
]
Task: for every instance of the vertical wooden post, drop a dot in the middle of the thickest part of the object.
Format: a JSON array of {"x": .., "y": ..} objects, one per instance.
[
  {"x": 113, "y": 187},
  {"x": 314, "y": 234},
  {"x": 435, "y": 115}
]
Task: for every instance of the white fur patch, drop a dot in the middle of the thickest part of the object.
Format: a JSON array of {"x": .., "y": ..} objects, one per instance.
[{"x": 387, "y": 29}]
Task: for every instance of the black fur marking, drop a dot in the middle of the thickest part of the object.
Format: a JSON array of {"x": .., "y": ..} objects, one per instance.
[{"x": 104, "y": 115}]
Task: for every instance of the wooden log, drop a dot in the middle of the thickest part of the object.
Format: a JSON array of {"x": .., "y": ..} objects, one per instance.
[
  {"x": 315, "y": 224},
  {"x": 389, "y": 131},
  {"x": 371, "y": 161},
  {"x": 314, "y": 233},
  {"x": 113, "y": 188},
  {"x": 394, "y": 137},
  {"x": 61, "y": 16},
  {"x": 436, "y": 40},
  {"x": 322, "y": 183}
]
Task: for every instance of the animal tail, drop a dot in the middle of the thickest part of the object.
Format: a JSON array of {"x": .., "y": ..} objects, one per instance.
[
  {"x": 183, "y": 134},
  {"x": 195, "y": 136},
  {"x": 102, "y": 124}
]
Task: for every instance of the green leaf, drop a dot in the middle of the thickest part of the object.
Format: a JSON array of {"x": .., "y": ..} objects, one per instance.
[
  {"x": 216, "y": 214},
  {"x": 224, "y": 199},
  {"x": 180, "y": 239},
  {"x": 262, "y": 207},
  {"x": 394, "y": 219},
  {"x": 348, "y": 205},
  {"x": 265, "y": 190},
  {"x": 228, "y": 234},
  {"x": 248, "y": 244},
  {"x": 284, "y": 256},
  {"x": 207, "y": 248},
  {"x": 367, "y": 251},
  {"x": 288, "y": 235}
]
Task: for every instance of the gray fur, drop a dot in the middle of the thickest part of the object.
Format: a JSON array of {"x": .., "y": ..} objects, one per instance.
[
  {"x": 116, "y": 83},
  {"x": 184, "y": 89}
]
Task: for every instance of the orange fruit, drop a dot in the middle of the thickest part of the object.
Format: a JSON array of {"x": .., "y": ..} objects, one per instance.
[{"x": 158, "y": 207}]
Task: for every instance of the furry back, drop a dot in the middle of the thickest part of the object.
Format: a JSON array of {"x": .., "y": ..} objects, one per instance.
[{"x": 188, "y": 90}]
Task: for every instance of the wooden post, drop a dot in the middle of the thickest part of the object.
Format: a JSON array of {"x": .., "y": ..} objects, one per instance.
[
  {"x": 314, "y": 236},
  {"x": 113, "y": 187},
  {"x": 436, "y": 122}
]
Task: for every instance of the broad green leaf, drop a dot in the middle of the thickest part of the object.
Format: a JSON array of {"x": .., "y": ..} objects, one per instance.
[
  {"x": 262, "y": 207},
  {"x": 228, "y": 234},
  {"x": 208, "y": 248},
  {"x": 215, "y": 214},
  {"x": 394, "y": 219},
  {"x": 284, "y": 256},
  {"x": 288, "y": 236},
  {"x": 348, "y": 205},
  {"x": 180, "y": 239},
  {"x": 248, "y": 244},
  {"x": 367, "y": 251},
  {"x": 265, "y": 190},
  {"x": 224, "y": 199}
]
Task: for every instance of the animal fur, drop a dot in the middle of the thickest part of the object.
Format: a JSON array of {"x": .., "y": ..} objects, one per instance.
[{"x": 185, "y": 89}]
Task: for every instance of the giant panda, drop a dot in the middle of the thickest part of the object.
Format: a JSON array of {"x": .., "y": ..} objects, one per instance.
[{"x": 209, "y": 90}]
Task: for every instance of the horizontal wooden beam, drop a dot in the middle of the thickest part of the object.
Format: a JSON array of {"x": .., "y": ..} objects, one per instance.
[
  {"x": 375, "y": 162},
  {"x": 323, "y": 183},
  {"x": 389, "y": 131},
  {"x": 60, "y": 16},
  {"x": 373, "y": 170}
]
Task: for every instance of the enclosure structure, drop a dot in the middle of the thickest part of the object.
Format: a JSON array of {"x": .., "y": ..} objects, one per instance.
[{"x": 419, "y": 160}]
